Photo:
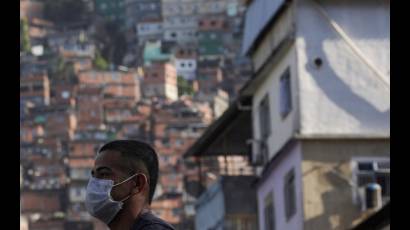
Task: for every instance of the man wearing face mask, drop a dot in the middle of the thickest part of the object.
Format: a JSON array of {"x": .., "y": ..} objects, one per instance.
[{"x": 122, "y": 186}]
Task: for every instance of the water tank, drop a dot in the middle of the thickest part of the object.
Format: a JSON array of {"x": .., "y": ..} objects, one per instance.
[{"x": 373, "y": 196}]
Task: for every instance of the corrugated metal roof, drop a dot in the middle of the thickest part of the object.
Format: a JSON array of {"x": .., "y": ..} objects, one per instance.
[{"x": 257, "y": 17}]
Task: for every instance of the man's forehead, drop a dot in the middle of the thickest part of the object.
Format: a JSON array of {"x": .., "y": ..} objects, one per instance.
[{"x": 108, "y": 158}]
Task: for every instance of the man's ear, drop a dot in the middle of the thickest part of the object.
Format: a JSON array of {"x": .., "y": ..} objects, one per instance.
[{"x": 140, "y": 182}]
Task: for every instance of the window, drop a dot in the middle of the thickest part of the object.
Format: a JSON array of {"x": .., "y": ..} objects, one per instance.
[
  {"x": 182, "y": 64},
  {"x": 290, "y": 194},
  {"x": 285, "y": 94},
  {"x": 373, "y": 171},
  {"x": 269, "y": 212},
  {"x": 265, "y": 126},
  {"x": 24, "y": 89},
  {"x": 173, "y": 35},
  {"x": 264, "y": 118},
  {"x": 38, "y": 87}
]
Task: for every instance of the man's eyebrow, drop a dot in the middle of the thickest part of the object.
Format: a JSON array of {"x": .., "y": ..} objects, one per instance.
[{"x": 103, "y": 168}]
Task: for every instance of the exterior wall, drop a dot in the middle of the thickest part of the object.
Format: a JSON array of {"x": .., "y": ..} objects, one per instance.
[
  {"x": 210, "y": 208},
  {"x": 161, "y": 80},
  {"x": 221, "y": 103},
  {"x": 114, "y": 84},
  {"x": 344, "y": 96},
  {"x": 77, "y": 193},
  {"x": 206, "y": 23},
  {"x": 40, "y": 201},
  {"x": 282, "y": 28},
  {"x": 149, "y": 28},
  {"x": 154, "y": 90},
  {"x": 281, "y": 129},
  {"x": 111, "y": 10},
  {"x": 60, "y": 123},
  {"x": 186, "y": 68},
  {"x": 142, "y": 10},
  {"x": 171, "y": 91},
  {"x": 168, "y": 209},
  {"x": 258, "y": 15},
  {"x": 183, "y": 35},
  {"x": 31, "y": 9},
  {"x": 35, "y": 89},
  {"x": 83, "y": 149},
  {"x": 214, "y": 6},
  {"x": 274, "y": 182},
  {"x": 327, "y": 198},
  {"x": 180, "y": 20},
  {"x": 89, "y": 108}
]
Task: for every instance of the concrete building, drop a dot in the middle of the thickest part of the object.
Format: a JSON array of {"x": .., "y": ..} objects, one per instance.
[
  {"x": 213, "y": 34},
  {"x": 216, "y": 6},
  {"x": 154, "y": 51},
  {"x": 185, "y": 59},
  {"x": 111, "y": 10},
  {"x": 149, "y": 30},
  {"x": 115, "y": 84},
  {"x": 179, "y": 21},
  {"x": 209, "y": 76},
  {"x": 31, "y": 9},
  {"x": 318, "y": 110},
  {"x": 61, "y": 124},
  {"x": 89, "y": 107},
  {"x": 35, "y": 89},
  {"x": 160, "y": 80},
  {"x": 142, "y": 10},
  {"x": 220, "y": 103},
  {"x": 320, "y": 106}
]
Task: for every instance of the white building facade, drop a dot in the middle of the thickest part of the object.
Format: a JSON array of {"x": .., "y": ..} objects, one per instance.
[{"x": 320, "y": 101}]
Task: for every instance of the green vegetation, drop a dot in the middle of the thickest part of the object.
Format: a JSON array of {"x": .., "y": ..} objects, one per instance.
[
  {"x": 184, "y": 87},
  {"x": 99, "y": 62},
  {"x": 63, "y": 71},
  {"x": 112, "y": 41},
  {"x": 24, "y": 37}
]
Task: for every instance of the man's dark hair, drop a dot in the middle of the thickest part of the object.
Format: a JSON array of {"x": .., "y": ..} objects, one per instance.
[{"x": 134, "y": 153}]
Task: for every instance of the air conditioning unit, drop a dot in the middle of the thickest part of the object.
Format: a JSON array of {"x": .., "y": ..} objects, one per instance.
[{"x": 257, "y": 152}]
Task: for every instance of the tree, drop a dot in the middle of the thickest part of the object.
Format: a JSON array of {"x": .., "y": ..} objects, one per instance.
[
  {"x": 184, "y": 86},
  {"x": 24, "y": 37},
  {"x": 62, "y": 71},
  {"x": 99, "y": 62},
  {"x": 112, "y": 42}
]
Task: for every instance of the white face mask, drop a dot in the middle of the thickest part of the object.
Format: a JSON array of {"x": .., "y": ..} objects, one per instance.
[{"x": 99, "y": 202}]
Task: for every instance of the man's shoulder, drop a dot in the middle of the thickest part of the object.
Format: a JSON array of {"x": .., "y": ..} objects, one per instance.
[{"x": 149, "y": 221}]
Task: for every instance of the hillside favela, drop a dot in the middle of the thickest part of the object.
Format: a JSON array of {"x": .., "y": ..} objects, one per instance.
[{"x": 265, "y": 114}]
